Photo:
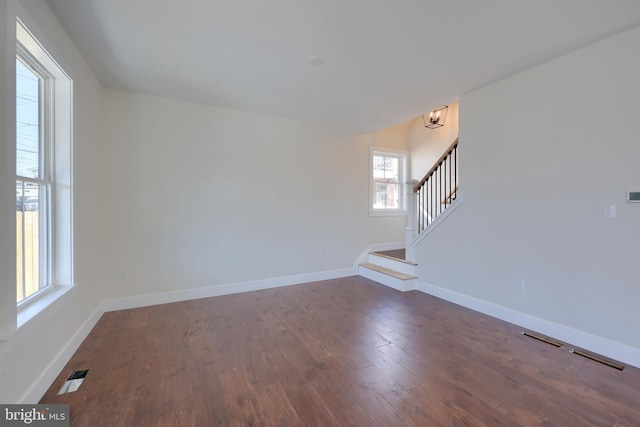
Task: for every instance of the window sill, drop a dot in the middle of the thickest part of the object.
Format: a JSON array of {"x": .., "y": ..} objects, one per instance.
[
  {"x": 49, "y": 300},
  {"x": 388, "y": 213}
]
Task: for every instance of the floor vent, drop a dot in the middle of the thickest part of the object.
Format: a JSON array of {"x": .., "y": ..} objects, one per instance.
[
  {"x": 73, "y": 382},
  {"x": 598, "y": 359},
  {"x": 542, "y": 338}
]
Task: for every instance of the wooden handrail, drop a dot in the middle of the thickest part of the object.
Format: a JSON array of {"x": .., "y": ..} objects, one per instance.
[{"x": 436, "y": 165}]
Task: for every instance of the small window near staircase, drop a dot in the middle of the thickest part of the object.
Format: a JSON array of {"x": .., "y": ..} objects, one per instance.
[{"x": 387, "y": 182}]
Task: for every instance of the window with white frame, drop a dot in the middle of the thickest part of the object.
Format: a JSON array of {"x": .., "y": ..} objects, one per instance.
[
  {"x": 43, "y": 170},
  {"x": 387, "y": 176},
  {"x": 33, "y": 175}
]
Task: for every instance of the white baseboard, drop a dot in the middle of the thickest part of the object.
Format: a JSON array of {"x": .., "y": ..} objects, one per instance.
[
  {"x": 35, "y": 392},
  {"x": 620, "y": 352},
  {"x": 225, "y": 289}
]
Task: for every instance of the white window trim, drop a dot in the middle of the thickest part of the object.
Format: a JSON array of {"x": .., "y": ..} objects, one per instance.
[
  {"x": 29, "y": 309},
  {"x": 402, "y": 211},
  {"x": 45, "y": 177},
  {"x": 61, "y": 126}
]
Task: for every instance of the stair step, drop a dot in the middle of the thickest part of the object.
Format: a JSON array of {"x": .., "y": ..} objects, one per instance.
[
  {"x": 391, "y": 263},
  {"x": 387, "y": 271},
  {"x": 380, "y": 254}
]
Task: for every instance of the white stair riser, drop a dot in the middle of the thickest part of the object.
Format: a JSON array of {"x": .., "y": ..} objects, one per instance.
[
  {"x": 392, "y": 282},
  {"x": 402, "y": 267}
]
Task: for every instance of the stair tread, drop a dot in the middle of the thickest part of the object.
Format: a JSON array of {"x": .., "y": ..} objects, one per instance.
[
  {"x": 393, "y": 258},
  {"x": 387, "y": 271}
]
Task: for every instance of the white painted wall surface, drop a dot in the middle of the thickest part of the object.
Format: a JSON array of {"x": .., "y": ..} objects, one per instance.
[
  {"x": 206, "y": 196},
  {"x": 541, "y": 153},
  {"x": 31, "y": 349}
]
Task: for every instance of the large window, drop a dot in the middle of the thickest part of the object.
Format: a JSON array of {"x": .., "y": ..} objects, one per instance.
[
  {"x": 33, "y": 175},
  {"x": 43, "y": 170},
  {"x": 387, "y": 181}
]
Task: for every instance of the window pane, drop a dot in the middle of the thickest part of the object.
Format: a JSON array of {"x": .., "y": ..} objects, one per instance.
[
  {"x": 386, "y": 167},
  {"x": 31, "y": 238},
  {"x": 391, "y": 168},
  {"x": 386, "y": 196},
  {"x": 27, "y": 122},
  {"x": 379, "y": 195}
]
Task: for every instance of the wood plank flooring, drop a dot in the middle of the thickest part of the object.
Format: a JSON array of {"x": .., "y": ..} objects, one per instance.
[{"x": 345, "y": 352}]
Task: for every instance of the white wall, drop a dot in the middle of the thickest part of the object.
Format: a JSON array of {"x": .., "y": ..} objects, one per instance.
[
  {"x": 31, "y": 348},
  {"x": 541, "y": 153},
  {"x": 205, "y": 196}
]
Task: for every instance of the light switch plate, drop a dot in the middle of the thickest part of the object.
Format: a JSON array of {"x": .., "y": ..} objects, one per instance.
[{"x": 610, "y": 212}]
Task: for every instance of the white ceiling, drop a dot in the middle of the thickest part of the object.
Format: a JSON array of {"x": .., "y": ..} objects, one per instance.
[{"x": 384, "y": 61}]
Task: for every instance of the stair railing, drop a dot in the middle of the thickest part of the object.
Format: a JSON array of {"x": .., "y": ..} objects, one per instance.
[{"x": 437, "y": 190}]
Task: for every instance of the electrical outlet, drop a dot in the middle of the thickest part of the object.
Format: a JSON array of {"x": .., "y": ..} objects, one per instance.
[
  {"x": 321, "y": 254},
  {"x": 521, "y": 284},
  {"x": 124, "y": 274}
]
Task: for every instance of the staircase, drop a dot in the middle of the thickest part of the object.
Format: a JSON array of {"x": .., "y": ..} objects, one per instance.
[
  {"x": 437, "y": 190},
  {"x": 430, "y": 201},
  {"x": 389, "y": 268}
]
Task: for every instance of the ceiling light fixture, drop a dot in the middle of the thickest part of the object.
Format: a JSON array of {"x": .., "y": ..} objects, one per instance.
[{"x": 436, "y": 118}]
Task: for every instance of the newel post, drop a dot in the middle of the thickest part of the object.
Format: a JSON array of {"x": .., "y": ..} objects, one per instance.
[{"x": 411, "y": 221}]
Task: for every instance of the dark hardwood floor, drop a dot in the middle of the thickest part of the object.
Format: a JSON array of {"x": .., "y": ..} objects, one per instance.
[{"x": 345, "y": 352}]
